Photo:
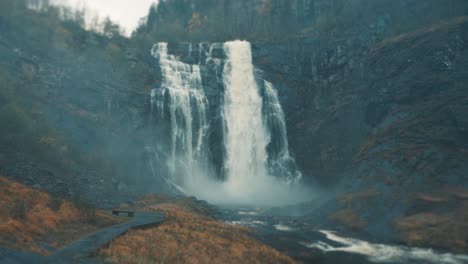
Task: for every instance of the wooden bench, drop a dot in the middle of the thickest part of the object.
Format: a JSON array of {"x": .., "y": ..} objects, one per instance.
[{"x": 128, "y": 213}]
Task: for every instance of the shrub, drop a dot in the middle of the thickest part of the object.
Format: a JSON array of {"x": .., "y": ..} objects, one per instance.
[
  {"x": 17, "y": 126},
  {"x": 19, "y": 210},
  {"x": 21, "y": 206},
  {"x": 86, "y": 210},
  {"x": 55, "y": 203}
]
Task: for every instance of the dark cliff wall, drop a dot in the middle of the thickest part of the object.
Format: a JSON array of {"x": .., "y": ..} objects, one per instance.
[
  {"x": 384, "y": 120},
  {"x": 381, "y": 119},
  {"x": 316, "y": 52},
  {"x": 332, "y": 99}
]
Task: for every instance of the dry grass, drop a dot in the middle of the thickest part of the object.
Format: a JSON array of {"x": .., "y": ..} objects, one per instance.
[
  {"x": 348, "y": 217},
  {"x": 28, "y": 216},
  {"x": 358, "y": 196},
  {"x": 458, "y": 192},
  {"x": 434, "y": 198},
  {"x": 443, "y": 195},
  {"x": 187, "y": 236},
  {"x": 445, "y": 229},
  {"x": 145, "y": 202}
]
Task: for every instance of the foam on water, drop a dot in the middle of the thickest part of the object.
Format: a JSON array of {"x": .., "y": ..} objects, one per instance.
[
  {"x": 380, "y": 253},
  {"x": 284, "y": 228}
]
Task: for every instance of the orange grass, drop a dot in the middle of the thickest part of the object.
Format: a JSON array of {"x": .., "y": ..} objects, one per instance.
[
  {"x": 348, "y": 217},
  {"x": 26, "y": 216},
  {"x": 187, "y": 236},
  {"x": 447, "y": 229}
]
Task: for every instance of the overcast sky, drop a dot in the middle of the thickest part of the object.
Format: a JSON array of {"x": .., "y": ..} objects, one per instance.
[{"x": 125, "y": 12}]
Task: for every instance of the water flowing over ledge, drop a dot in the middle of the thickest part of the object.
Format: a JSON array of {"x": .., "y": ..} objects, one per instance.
[
  {"x": 181, "y": 96},
  {"x": 257, "y": 165}
]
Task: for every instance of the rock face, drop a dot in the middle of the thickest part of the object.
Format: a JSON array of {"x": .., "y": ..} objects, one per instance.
[
  {"x": 385, "y": 119},
  {"x": 334, "y": 94},
  {"x": 349, "y": 105}
]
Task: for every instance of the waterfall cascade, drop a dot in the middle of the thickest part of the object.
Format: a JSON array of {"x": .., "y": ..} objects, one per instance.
[
  {"x": 257, "y": 164},
  {"x": 246, "y": 137},
  {"x": 280, "y": 162},
  {"x": 181, "y": 101}
]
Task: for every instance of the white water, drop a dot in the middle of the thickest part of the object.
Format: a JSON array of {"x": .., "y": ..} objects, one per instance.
[
  {"x": 252, "y": 177},
  {"x": 246, "y": 137},
  {"x": 281, "y": 164},
  {"x": 283, "y": 228},
  {"x": 274, "y": 116},
  {"x": 380, "y": 253},
  {"x": 247, "y": 223},
  {"x": 181, "y": 93}
]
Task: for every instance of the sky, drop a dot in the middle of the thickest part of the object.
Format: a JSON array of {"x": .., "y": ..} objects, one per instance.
[{"x": 126, "y": 13}]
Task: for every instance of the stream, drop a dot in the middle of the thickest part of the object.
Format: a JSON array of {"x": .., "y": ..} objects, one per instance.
[{"x": 304, "y": 242}]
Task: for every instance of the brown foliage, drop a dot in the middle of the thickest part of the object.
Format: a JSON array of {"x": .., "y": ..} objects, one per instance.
[
  {"x": 348, "y": 217},
  {"x": 189, "y": 237},
  {"x": 28, "y": 215},
  {"x": 358, "y": 196},
  {"x": 446, "y": 229}
]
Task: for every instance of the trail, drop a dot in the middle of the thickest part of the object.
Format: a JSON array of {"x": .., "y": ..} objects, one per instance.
[{"x": 81, "y": 250}]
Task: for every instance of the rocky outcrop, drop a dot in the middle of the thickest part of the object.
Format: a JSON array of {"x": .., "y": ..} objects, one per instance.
[{"x": 385, "y": 117}]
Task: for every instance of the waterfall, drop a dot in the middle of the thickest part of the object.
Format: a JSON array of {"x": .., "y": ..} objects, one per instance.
[
  {"x": 257, "y": 166},
  {"x": 181, "y": 96},
  {"x": 281, "y": 164},
  {"x": 246, "y": 136},
  {"x": 255, "y": 133},
  {"x": 274, "y": 119}
]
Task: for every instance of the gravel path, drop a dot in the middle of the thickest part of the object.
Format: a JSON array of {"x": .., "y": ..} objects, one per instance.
[{"x": 81, "y": 250}]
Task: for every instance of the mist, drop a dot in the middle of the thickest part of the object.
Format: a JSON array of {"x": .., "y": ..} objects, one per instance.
[{"x": 259, "y": 191}]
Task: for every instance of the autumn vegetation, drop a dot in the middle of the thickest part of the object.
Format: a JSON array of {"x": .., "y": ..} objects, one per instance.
[
  {"x": 188, "y": 235},
  {"x": 28, "y": 216},
  {"x": 443, "y": 228},
  {"x": 434, "y": 218},
  {"x": 34, "y": 221},
  {"x": 348, "y": 216}
]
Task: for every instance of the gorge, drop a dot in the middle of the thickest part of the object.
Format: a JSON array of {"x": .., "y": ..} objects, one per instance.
[{"x": 332, "y": 128}]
